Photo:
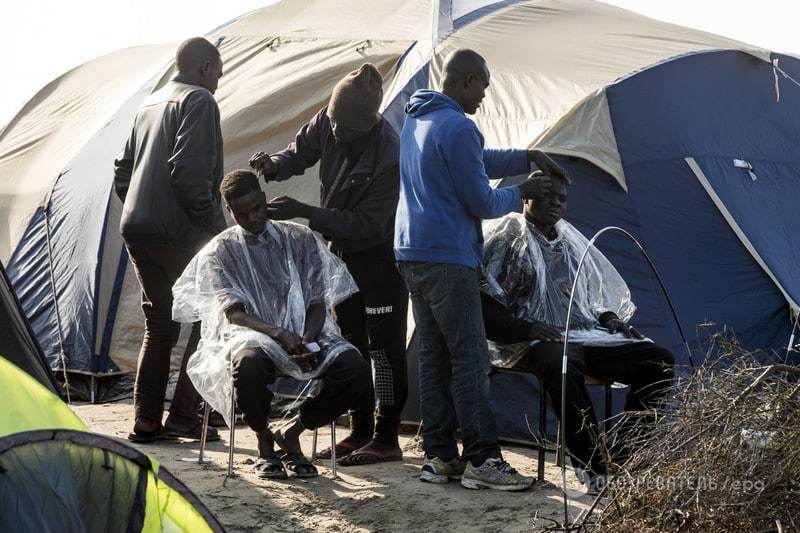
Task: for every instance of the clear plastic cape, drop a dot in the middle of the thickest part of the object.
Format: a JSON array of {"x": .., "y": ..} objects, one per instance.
[
  {"x": 532, "y": 277},
  {"x": 275, "y": 275}
]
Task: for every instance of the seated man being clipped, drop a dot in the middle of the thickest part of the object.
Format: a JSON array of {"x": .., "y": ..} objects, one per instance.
[
  {"x": 264, "y": 291},
  {"x": 530, "y": 262}
]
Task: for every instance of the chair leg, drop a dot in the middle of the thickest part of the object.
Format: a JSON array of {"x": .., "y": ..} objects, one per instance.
[
  {"x": 542, "y": 430},
  {"x": 314, "y": 445},
  {"x": 203, "y": 435},
  {"x": 233, "y": 432},
  {"x": 201, "y": 456},
  {"x": 333, "y": 448}
]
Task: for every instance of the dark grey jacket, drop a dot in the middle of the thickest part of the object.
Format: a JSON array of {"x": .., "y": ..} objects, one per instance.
[
  {"x": 359, "y": 213},
  {"x": 169, "y": 172}
]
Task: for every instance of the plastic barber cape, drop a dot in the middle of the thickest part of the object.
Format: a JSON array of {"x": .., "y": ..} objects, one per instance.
[
  {"x": 276, "y": 275},
  {"x": 532, "y": 277}
]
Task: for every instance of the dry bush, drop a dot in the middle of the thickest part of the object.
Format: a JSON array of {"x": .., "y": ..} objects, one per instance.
[{"x": 723, "y": 455}]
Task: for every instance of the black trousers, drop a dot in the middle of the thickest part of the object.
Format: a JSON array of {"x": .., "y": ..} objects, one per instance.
[
  {"x": 345, "y": 385},
  {"x": 157, "y": 269},
  {"x": 646, "y": 367},
  {"x": 375, "y": 321}
]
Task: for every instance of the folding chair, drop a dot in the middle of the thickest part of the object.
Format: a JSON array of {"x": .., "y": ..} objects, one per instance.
[
  {"x": 543, "y": 409},
  {"x": 207, "y": 414}
]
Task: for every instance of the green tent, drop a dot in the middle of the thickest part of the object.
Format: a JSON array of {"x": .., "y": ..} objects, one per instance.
[{"x": 55, "y": 475}]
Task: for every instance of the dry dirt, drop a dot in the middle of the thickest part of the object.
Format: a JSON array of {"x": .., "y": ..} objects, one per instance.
[{"x": 380, "y": 498}]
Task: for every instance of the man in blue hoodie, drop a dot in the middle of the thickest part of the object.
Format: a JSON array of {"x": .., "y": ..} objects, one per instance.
[{"x": 444, "y": 195}]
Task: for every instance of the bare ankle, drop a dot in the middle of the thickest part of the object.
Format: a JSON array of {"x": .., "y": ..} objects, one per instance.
[{"x": 266, "y": 446}]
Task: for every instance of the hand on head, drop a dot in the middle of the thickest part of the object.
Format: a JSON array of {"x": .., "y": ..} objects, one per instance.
[
  {"x": 546, "y": 164},
  {"x": 286, "y": 207},
  {"x": 535, "y": 186},
  {"x": 263, "y": 164}
]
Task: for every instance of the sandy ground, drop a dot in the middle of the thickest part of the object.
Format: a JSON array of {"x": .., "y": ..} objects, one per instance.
[{"x": 380, "y": 498}]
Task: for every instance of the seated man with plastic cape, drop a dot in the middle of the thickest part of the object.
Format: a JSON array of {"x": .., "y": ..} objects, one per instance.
[
  {"x": 529, "y": 266},
  {"x": 264, "y": 291}
]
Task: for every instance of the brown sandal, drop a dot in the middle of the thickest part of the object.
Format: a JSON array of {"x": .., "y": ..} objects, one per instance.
[
  {"x": 364, "y": 456},
  {"x": 343, "y": 449},
  {"x": 299, "y": 466}
]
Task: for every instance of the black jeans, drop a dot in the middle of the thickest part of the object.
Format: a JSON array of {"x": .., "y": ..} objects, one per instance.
[
  {"x": 453, "y": 361},
  {"x": 375, "y": 321},
  {"x": 345, "y": 385},
  {"x": 646, "y": 367},
  {"x": 157, "y": 270}
]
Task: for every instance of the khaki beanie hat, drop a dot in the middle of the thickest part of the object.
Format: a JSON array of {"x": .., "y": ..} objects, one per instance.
[{"x": 356, "y": 99}]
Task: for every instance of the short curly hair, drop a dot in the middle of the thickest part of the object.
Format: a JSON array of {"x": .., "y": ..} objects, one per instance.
[{"x": 237, "y": 183}]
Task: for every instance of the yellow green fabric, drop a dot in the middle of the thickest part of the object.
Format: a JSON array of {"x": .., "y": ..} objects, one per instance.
[
  {"x": 167, "y": 510},
  {"x": 27, "y": 405}
]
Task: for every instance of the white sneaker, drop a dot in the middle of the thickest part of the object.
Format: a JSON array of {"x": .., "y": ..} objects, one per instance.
[{"x": 496, "y": 474}]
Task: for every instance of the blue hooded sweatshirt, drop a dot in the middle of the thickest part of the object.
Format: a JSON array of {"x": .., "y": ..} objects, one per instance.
[{"x": 444, "y": 183}]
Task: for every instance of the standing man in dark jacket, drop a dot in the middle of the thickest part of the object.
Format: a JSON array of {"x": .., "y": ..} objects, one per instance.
[
  {"x": 358, "y": 153},
  {"x": 168, "y": 178}
]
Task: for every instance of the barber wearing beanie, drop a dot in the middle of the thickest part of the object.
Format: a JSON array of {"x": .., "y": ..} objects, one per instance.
[{"x": 358, "y": 152}]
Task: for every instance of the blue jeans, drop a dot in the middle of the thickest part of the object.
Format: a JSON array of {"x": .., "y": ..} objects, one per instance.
[{"x": 453, "y": 360}]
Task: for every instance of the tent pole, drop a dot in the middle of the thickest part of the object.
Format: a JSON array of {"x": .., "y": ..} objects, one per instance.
[
  {"x": 55, "y": 300},
  {"x": 567, "y": 526}
]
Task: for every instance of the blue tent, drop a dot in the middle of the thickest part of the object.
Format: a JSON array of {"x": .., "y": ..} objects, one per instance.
[
  {"x": 713, "y": 177},
  {"x": 712, "y": 174},
  {"x": 711, "y": 168}
]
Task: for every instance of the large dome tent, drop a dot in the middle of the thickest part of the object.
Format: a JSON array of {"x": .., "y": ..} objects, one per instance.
[
  {"x": 60, "y": 212},
  {"x": 647, "y": 116}
]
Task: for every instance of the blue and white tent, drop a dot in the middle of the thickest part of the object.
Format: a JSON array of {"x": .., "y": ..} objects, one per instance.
[{"x": 686, "y": 139}]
